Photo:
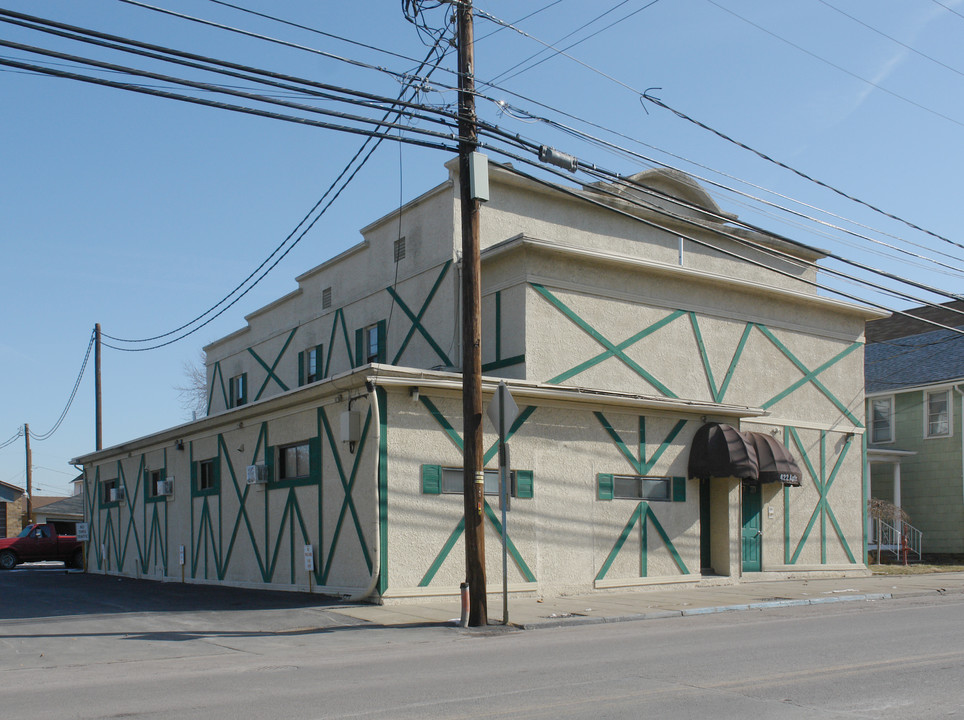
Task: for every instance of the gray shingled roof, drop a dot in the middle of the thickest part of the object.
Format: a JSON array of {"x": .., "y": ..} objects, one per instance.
[{"x": 925, "y": 359}]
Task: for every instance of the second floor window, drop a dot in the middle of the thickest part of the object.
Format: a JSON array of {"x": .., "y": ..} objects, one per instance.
[
  {"x": 206, "y": 475},
  {"x": 938, "y": 421},
  {"x": 310, "y": 365},
  {"x": 238, "y": 390},
  {"x": 155, "y": 478},
  {"x": 882, "y": 420}
]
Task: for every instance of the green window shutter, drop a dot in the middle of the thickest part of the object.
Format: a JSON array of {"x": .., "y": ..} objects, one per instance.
[
  {"x": 243, "y": 399},
  {"x": 314, "y": 459},
  {"x": 320, "y": 362},
  {"x": 301, "y": 369},
  {"x": 359, "y": 347},
  {"x": 523, "y": 484},
  {"x": 431, "y": 479},
  {"x": 679, "y": 489},
  {"x": 269, "y": 461},
  {"x": 382, "y": 341},
  {"x": 604, "y": 483},
  {"x": 217, "y": 473}
]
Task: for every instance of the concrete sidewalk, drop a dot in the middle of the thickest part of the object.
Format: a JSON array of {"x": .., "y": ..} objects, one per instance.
[{"x": 649, "y": 603}]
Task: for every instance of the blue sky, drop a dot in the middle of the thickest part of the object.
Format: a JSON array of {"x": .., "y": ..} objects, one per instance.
[{"x": 140, "y": 213}]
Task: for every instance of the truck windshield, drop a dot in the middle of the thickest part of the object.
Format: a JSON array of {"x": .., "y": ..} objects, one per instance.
[{"x": 26, "y": 531}]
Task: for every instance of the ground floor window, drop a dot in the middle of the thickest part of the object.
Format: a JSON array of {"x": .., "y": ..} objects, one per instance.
[{"x": 294, "y": 461}]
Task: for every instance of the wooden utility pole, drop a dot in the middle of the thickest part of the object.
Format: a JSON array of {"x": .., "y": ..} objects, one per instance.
[
  {"x": 26, "y": 438},
  {"x": 472, "y": 473},
  {"x": 98, "y": 409}
]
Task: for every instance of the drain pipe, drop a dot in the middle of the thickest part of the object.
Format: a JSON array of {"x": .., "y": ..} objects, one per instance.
[
  {"x": 377, "y": 437},
  {"x": 960, "y": 392}
]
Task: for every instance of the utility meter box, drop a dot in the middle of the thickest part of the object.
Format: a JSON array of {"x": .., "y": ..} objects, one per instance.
[{"x": 350, "y": 426}]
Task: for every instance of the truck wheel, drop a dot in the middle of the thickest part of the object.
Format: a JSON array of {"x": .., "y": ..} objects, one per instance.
[
  {"x": 8, "y": 561},
  {"x": 77, "y": 561}
]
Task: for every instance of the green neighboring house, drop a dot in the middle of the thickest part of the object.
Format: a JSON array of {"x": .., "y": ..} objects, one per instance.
[{"x": 914, "y": 372}]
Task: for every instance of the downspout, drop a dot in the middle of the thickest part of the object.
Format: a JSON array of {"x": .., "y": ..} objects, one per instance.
[
  {"x": 961, "y": 393},
  {"x": 376, "y": 559}
]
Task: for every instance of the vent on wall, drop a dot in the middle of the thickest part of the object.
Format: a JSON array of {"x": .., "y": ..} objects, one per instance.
[
  {"x": 326, "y": 298},
  {"x": 400, "y": 249}
]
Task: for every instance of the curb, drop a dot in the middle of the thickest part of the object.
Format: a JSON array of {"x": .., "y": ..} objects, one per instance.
[{"x": 583, "y": 620}]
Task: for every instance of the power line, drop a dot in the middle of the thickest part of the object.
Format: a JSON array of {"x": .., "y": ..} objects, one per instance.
[
  {"x": 838, "y": 67},
  {"x": 70, "y": 401},
  {"x": 801, "y": 174}
]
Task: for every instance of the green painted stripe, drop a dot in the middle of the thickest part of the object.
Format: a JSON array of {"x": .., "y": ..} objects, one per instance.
[
  {"x": 734, "y": 362},
  {"x": 271, "y": 370},
  {"x": 512, "y": 550},
  {"x": 445, "y": 424},
  {"x": 651, "y": 516},
  {"x": 612, "y": 350},
  {"x": 620, "y": 541},
  {"x": 381, "y": 397},
  {"x": 417, "y": 319},
  {"x": 663, "y": 446},
  {"x": 623, "y": 448},
  {"x": 443, "y": 554},
  {"x": 498, "y": 326},
  {"x": 507, "y": 362},
  {"x": 714, "y": 393},
  {"x": 810, "y": 375},
  {"x": 513, "y": 429}
]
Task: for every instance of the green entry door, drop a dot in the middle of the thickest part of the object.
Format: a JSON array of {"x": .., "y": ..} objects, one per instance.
[{"x": 752, "y": 532}]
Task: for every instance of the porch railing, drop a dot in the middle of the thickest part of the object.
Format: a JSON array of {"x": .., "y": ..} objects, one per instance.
[{"x": 887, "y": 540}]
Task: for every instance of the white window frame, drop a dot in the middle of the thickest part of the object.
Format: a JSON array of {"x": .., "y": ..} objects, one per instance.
[
  {"x": 371, "y": 339},
  {"x": 891, "y": 425},
  {"x": 452, "y": 479},
  {"x": 927, "y": 412}
]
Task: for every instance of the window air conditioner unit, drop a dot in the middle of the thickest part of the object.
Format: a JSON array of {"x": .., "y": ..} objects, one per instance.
[
  {"x": 166, "y": 487},
  {"x": 257, "y": 474},
  {"x": 116, "y": 494}
]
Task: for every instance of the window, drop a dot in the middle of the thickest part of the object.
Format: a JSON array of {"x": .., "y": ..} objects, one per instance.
[
  {"x": 400, "y": 249},
  {"x": 633, "y": 487},
  {"x": 109, "y": 487},
  {"x": 636, "y": 487},
  {"x": 326, "y": 298},
  {"x": 154, "y": 479},
  {"x": 938, "y": 414},
  {"x": 437, "y": 480},
  {"x": 205, "y": 475},
  {"x": 238, "y": 390},
  {"x": 370, "y": 344},
  {"x": 310, "y": 364},
  {"x": 294, "y": 461},
  {"x": 882, "y": 420}
]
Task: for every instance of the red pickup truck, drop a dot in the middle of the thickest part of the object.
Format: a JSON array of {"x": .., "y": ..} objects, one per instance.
[{"x": 40, "y": 542}]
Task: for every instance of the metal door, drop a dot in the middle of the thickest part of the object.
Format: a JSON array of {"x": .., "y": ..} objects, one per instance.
[{"x": 752, "y": 532}]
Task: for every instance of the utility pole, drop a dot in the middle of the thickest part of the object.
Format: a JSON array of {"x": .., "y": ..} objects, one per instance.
[
  {"x": 26, "y": 438},
  {"x": 472, "y": 472},
  {"x": 98, "y": 408}
]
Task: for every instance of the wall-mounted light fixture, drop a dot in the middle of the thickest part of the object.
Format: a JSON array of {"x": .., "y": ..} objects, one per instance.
[
  {"x": 179, "y": 444},
  {"x": 413, "y": 393}
]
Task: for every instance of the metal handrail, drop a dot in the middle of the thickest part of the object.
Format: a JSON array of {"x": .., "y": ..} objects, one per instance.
[{"x": 887, "y": 537}]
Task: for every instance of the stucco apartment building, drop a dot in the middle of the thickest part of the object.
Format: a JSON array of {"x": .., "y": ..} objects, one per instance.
[{"x": 623, "y": 320}]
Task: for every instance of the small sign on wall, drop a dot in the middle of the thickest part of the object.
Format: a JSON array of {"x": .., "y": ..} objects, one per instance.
[
  {"x": 309, "y": 558},
  {"x": 83, "y": 532},
  {"x": 180, "y": 554}
]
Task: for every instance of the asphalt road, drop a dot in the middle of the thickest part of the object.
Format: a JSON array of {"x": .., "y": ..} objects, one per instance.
[{"x": 75, "y": 646}]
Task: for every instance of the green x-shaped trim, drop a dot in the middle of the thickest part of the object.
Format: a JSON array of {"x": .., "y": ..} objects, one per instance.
[
  {"x": 219, "y": 376},
  {"x": 718, "y": 392},
  {"x": 822, "y": 509},
  {"x": 339, "y": 316},
  {"x": 810, "y": 375},
  {"x": 348, "y": 484},
  {"x": 612, "y": 349},
  {"x": 640, "y": 465},
  {"x": 417, "y": 318},
  {"x": 512, "y": 550},
  {"x": 270, "y": 370},
  {"x": 643, "y": 514},
  {"x": 129, "y": 500},
  {"x": 242, "y": 496},
  {"x": 456, "y": 439}
]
